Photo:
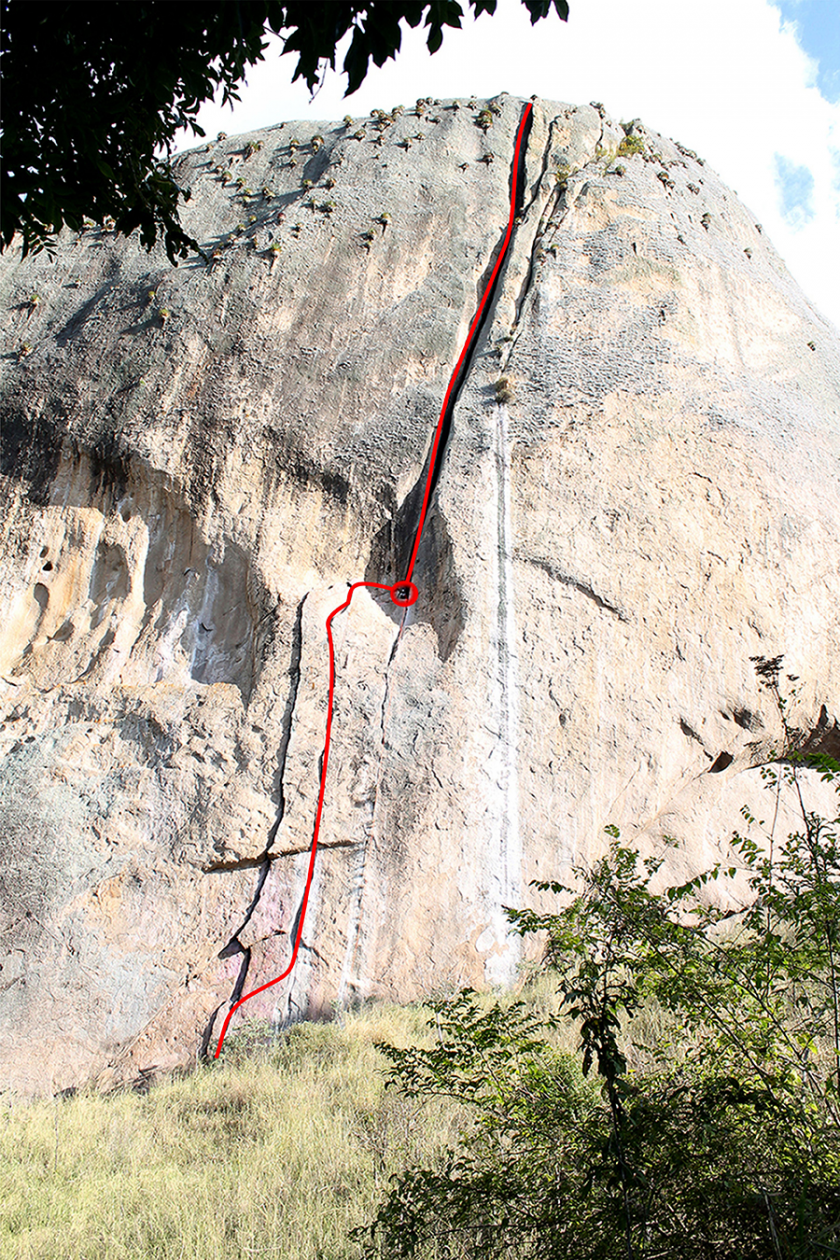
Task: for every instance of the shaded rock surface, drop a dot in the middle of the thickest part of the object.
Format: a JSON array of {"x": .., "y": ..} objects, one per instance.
[{"x": 197, "y": 461}]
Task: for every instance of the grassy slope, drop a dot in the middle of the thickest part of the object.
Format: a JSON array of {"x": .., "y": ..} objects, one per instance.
[{"x": 274, "y": 1151}]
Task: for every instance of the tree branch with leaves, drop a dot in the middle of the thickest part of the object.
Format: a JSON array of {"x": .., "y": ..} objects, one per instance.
[{"x": 93, "y": 95}]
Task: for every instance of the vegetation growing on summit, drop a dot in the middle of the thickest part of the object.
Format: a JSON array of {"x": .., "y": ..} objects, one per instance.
[
  {"x": 630, "y": 145},
  {"x": 89, "y": 104}
]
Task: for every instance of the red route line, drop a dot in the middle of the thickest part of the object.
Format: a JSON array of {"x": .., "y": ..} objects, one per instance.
[{"x": 403, "y": 593}]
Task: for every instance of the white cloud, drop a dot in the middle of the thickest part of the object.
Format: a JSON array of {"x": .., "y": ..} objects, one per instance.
[{"x": 727, "y": 78}]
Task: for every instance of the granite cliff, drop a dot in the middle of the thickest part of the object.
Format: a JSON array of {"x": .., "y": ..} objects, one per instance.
[{"x": 639, "y": 490}]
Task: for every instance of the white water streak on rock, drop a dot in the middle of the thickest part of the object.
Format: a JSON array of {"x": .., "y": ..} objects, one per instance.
[{"x": 500, "y": 966}]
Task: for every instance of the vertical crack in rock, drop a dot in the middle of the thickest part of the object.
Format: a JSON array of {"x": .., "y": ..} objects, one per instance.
[
  {"x": 553, "y": 200},
  {"x": 556, "y": 202},
  {"x": 485, "y": 321},
  {"x": 234, "y": 946},
  {"x": 487, "y": 302},
  {"x": 286, "y": 727}
]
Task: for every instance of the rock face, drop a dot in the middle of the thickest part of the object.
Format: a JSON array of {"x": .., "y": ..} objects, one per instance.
[{"x": 197, "y": 461}]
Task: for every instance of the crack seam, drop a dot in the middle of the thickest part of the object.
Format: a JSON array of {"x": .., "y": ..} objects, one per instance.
[{"x": 567, "y": 580}]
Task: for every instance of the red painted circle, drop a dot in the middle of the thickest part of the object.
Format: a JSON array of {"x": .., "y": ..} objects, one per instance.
[{"x": 404, "y": 594}]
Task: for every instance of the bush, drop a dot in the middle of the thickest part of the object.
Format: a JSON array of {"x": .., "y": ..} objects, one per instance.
[{"x": 724, "y": 1146}]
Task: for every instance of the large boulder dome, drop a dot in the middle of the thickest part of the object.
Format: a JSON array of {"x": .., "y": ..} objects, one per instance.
[{"x": 636, "y": 491}]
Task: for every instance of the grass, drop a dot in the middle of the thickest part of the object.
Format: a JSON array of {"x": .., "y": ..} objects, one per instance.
[{"x": 276, "y": 1150}]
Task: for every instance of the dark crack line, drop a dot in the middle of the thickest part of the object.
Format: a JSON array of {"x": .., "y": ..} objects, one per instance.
[
  {"x": 558, "y": 201},
  {"x": 551, "y": 203},
  {"x": 207, "y": 1035},
  {"x": 234, "y": 946},
  {"x": 567, "y": 580},
  {"x": 435, "y": 460},
  {"x": 486, "y": 318},
  {"x": 384, "y": 710},
  {"x": 288, "y": 715},
  {"x": 326, "y": 844},
  {"x": 240, "y": 979}
]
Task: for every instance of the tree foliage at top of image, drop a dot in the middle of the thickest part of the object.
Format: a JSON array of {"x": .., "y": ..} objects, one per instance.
[
  {"x": 700, "y": 1117},
  {"x": 92, "y": 92}
]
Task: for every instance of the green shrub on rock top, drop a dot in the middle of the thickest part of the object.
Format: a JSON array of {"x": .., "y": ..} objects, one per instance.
[{"x": 631, "y": 145}]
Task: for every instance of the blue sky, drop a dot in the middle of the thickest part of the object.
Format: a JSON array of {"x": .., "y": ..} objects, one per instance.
[
  {"x": 796, "y": 191},
  {"x": 753, "y": 86},
  {"x": 818, "y": 33}
]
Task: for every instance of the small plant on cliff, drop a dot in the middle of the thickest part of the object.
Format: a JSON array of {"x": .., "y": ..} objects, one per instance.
[
  {"x": 33, "y": 301},
  {"x": 484, "y": 120},
  {"x": 384, "y": 218},
  {"x": 24, "y": 350},
  {"x": 317, "y": 143},
  {"x": 561, "y": 176},
  {"x": 630, "y": 145},
  {"x": 164, "y": 314},
  {"x": 503, "y": 389},
  {"x": 252, "y": 147},
  {"x": 221, "y": 136}
]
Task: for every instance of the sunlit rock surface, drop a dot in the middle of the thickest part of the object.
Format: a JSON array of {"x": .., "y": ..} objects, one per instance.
[{"x": 197, "y": 461}]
